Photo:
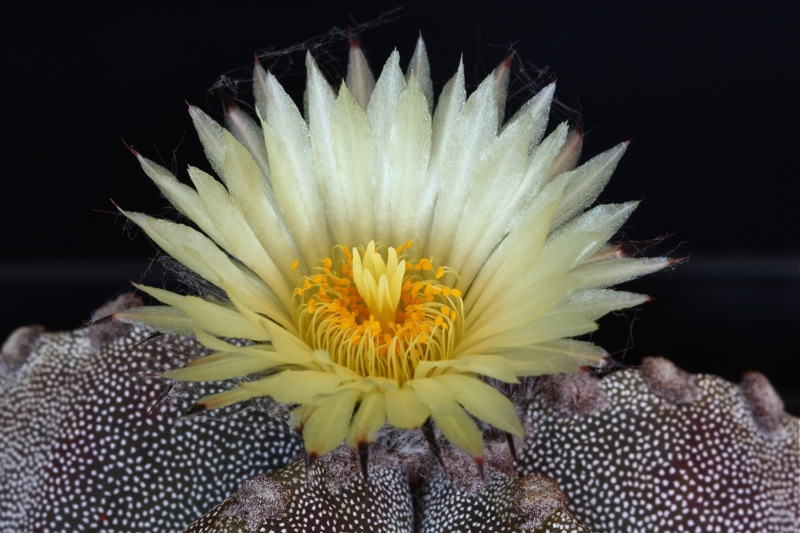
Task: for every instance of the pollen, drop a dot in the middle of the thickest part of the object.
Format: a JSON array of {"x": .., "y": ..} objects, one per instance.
[{"x": 380, "y": 311}]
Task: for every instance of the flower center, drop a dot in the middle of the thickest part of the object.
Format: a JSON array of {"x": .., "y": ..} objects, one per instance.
[{"x": 380, "y": 317}]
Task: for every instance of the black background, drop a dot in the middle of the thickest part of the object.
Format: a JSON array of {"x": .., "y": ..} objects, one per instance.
[{"x": 707, "y": 90}]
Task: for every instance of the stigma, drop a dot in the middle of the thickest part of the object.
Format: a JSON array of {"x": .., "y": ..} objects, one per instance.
[{"x": 379, "y": 283}]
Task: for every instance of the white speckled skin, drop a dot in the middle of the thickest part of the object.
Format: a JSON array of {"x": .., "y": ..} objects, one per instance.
[
  {"x": 381, "y": 504},
  {"x": 394, "y": 499},
  {"x": 673, "y": 453},
  {"x": 91, "y": 443},
  {"x": 87, "y": 443}
]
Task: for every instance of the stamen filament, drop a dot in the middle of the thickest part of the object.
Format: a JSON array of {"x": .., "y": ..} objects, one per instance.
[{"x": 380, "y": 317}]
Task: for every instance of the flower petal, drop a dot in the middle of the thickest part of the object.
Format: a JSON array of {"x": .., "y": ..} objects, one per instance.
[
  {"x": 214, "y": 318},
  {"x": 406, "y": 149},
  {"x": 474, "y": 128},
  {"x": 354, "y": 155},
  {"x": 404, "y": 409},
  {"x": 246, "y": 131},
  {"x": 546, "y": 328},
  {"x": 593, "y": 304},
  {"x": 614, "y": 271},
  {"x": 515, "y": 254},
  {"x": 252, "y": 194},
  {"x": 211, "y": 134},
  {"x": 326, "y": 427},
  {"x": 443, "y": 125},
  {"x": 454, "y": 423},
  {"x": 496, "y": 179},
  {"x": 159, "y": 317},
  {"x": 226, "y": 398},
  {"x": 492, "y": 366},
  {"x": 239, "y": 239},
  {"x": 293, "y": 178},
  {"x": 296, "y": 386},
  {"x": 569, "y": 155},
  {"x": 483, "y": 401},
  {"x": 183, "y": 197},
  {"x": 586, "y": 182},
  {"x": 369, "y": 418},
  {"x": 420, "y": 69},
  {"x": 514, "y": 310},
  {"x": 562, "y": 355},
  {"x": 360, "y": 80},
  {"x": 220, "y": 366}
]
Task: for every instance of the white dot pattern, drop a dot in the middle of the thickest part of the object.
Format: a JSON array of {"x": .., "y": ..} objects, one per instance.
[
  {"x": 644, "y": 463},
  {"x": 383, "y": 503},
  {"x": 89, "y": 442},
  {"x": 88, "y": 445},
  {"x": 444, "y": 507}
]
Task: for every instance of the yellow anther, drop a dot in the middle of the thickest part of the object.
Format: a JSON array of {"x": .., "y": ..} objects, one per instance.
[
  {"x": 373, "y": 305},
  {"x": 424, "y": 264},
  {"x": 294, "y": 264}
]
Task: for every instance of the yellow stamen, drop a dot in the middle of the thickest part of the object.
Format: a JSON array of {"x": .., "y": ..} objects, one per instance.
[{"x": 379, "y": 313}]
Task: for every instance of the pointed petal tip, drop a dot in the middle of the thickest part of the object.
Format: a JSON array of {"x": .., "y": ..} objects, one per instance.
[
  {"x": 363, "y": 459},
  {"x": 353, "y": 41},
  {"x": 131, "y": 149},
  {"x": 419, "y": 46},
  {"x": 577, "y": 128},
  {"x": 675, "y": 261},
  {"x": 227, "y": 102},
  {"x": 198, "y": 407},
  {"x": 479, "y": 462},
  {"x": 102, "y": 320},
  {"x": 549, "y": 90},
  {"x": 508, "y": 61}
]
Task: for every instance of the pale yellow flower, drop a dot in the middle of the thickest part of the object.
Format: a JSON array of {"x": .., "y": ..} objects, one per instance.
[{"x": 385, "y": 258}]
